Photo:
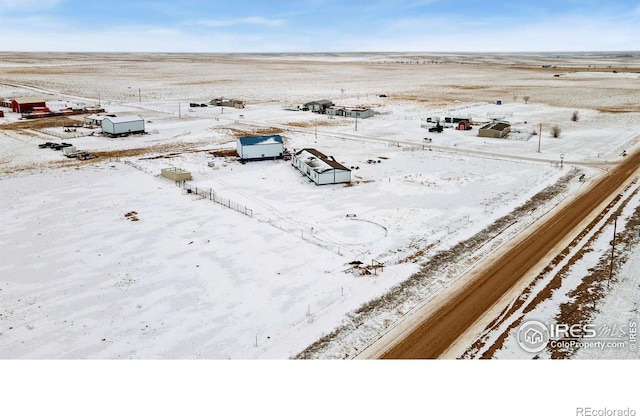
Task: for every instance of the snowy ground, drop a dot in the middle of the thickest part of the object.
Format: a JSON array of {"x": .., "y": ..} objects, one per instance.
[{"x": 109, "y": 260}]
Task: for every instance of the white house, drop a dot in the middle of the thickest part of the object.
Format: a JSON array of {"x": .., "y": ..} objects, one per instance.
[
  {"x": 320, "y": 168},
  {"x": 349, "y": 112},
  {"x": 117, "y": 126},
  {"x": 260, "y": 147}
]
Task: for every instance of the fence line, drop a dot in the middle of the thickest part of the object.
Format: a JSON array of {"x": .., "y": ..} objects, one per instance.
[
  {"x": 210, "y": 194},
  {"x": 64, "y": 136}
]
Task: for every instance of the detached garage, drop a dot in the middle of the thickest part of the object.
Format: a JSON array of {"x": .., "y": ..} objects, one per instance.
[
  {"x": 121, "y": 126},
  {"x": 260, "y": 147}
]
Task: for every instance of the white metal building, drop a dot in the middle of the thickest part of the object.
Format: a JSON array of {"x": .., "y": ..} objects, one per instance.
[
  {"x": 260, "y": 147},
  {"x": 320, "y": 168},
  {"x": 116, "y": 126}
]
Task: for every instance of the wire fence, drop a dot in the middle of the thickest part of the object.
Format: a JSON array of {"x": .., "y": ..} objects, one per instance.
[{"x": 210, "y": 194}]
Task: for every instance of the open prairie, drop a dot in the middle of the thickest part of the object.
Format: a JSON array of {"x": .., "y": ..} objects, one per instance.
[{"x": 105, "y": 258}]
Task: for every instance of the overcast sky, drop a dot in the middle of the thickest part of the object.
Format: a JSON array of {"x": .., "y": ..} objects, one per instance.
[{"x": 319, "y": 26}]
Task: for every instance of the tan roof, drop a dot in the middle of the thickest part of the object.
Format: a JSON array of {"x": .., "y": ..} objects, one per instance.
[{"x": 29, "y": 100}]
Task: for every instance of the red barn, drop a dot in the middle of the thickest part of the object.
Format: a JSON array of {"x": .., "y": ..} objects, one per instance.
[{"x": 22, "y": 105}]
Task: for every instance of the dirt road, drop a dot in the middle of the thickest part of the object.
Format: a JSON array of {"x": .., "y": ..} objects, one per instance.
[{"x": 446, "y": 322}]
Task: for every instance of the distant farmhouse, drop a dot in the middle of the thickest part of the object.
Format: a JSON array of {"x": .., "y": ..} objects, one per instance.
[
  {"x": 122, "y": 126},
  {"x": 318, "y": 106},
  {"x": 260, "y": 147},
  {"x": 227, "y": 102},
  {"x": 349, "y": 112},
  {"x": 321, "y": 169},
  {"x": 496, "y": 130}
]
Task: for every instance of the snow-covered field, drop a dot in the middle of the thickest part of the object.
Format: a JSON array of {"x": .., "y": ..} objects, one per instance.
[{"x": 107, "y": 259}]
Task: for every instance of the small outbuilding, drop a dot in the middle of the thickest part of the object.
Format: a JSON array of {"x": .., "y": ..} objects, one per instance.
[
  {"x": 121, "y": 126},
  {"x": 260, "y": 147},
  {"x": 496, "y": 130},
  {"x": 176, "y": 174},
  {"x": 94, "y": 120},
  {"x": 25, "y": 104},
  {"x": 321, "y": 169}
]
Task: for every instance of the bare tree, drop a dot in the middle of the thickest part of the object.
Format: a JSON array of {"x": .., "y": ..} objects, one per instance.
[
  {"x": 555, "y": 131},
  {"x": 526, "y": 99},
  {"x": 575, "y": 117}
]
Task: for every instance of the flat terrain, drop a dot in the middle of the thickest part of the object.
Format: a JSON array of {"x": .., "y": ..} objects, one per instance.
[
  {"x": 444, "y": 325},
  {"x": 106, "y": 259}
]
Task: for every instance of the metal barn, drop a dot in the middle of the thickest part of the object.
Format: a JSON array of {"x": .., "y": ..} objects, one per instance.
[
  {"x": 118, "y": 126},
  {"x": 260, "y": 147}
]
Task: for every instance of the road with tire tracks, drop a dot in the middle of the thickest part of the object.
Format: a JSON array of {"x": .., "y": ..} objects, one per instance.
[{"x": 432, "y": 334}]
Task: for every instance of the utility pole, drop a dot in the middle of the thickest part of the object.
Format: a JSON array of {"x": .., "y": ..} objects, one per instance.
[
  {"x": 139, "y": 96},
  {"x": 539, "y": 137},
  {"x": 613, "y": 249}
]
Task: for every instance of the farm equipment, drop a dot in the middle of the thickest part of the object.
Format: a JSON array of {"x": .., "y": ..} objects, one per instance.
[{"x": 436, "y": 129}]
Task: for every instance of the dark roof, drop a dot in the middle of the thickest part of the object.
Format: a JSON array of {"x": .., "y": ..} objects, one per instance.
[
  {"x": 320, "y": 102},
  {"x": 328, "y": 160},
  {"x": 495, "y": 126},
  {"x": 251, "y": 140}
]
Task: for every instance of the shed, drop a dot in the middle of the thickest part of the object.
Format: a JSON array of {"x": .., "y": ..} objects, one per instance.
[
  {"x": 94, "y": 120},
  {"x": 22, "y": 105},
  {"x": 176, "y": 174},
  {"x": 318, "y": 106},
  {"x": 463, "y": 125},
  {"x": 118, "y": 126},
  {"x": 260, "y": 147},
  {"x": 496, "y": 130},
  {"x": 321, "y": 169}
]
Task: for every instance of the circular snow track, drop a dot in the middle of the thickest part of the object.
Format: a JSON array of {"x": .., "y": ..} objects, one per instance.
[{"x": 350, "y": 231}]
